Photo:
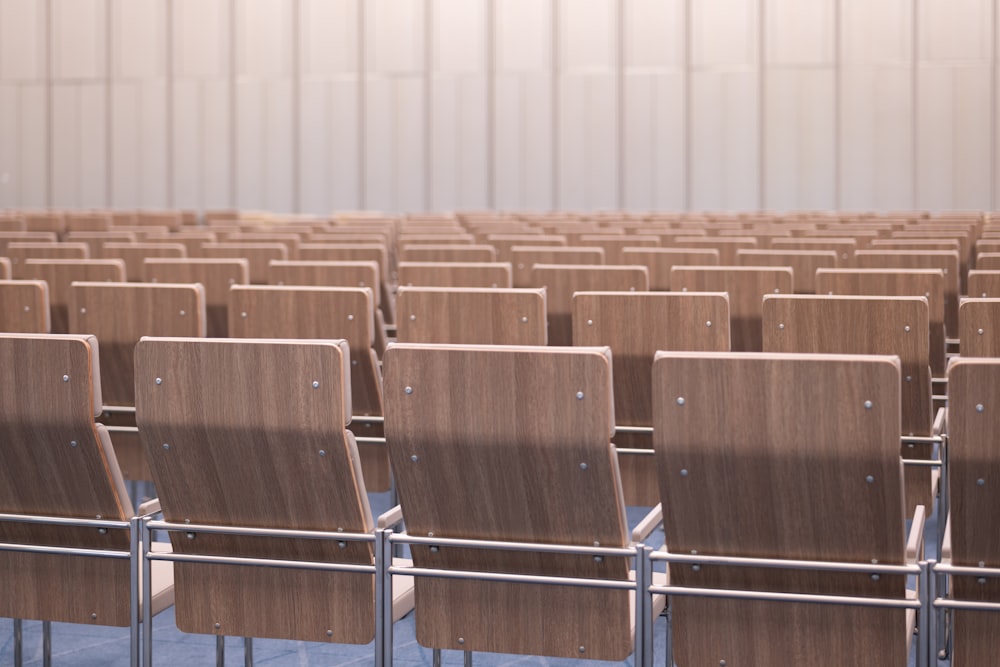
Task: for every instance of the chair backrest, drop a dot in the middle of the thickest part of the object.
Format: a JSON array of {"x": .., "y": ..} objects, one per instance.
[
  {"x": 439, "y": 252},
  {"x": 360, "y": 252},
  {"x": 803, "y": 263},
  {"x": 135, "y": 253},
  {"x": 815, "y": 441},
  {"x": 215, "y": 275},
  {"x": 5, "y": 268},
  {"x": 979, "y": 328},
  {"x": 258, "y": 255},
  {"x": 471, "y": 316},
  {"x": 327, "y": 274},
  {"x": 268, "y": 311},
  {"x": 844, "y": 247},
  {"x": 18, "y": 252},
  {"x": 524, "y": 257},
  {"x": 946, "y": 260},
  {"x": 60, "y": 274},
  {"x": 55, "y": 461},
  {"x": 727, "y": 246},
  {"x": 24, "y": 306},
  {"x": 455, "y": 274},
  {"x": 989, "y": 261},
  {"x": 474, "y": 459},
  {"x": 562, "y": 281},
  {"x": 860, "y": 325},
  {"x": 119, "y": 314},
  {"x": 659, "y": 261},
  {"x": 973, "y": 468},
  {"x": 984, "y": 284},
  {"x": 746, "y": 286},
  {"x": 257, "y": 434},
  {"x": 928, "y": 283}
]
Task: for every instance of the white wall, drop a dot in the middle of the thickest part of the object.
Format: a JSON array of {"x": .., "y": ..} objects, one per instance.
[{"x": 408, "y": 105}]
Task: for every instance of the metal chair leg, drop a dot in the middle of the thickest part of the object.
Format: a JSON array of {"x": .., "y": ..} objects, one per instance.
[
  {"x": 248, "y": 652},
  {"x": 46, "y": 643},
  {"x": 220, "y": 651},
  {"x": 18, "y": 643},
  {"x": 468, "y": 659},
  {"x": 436, "y": 657}
]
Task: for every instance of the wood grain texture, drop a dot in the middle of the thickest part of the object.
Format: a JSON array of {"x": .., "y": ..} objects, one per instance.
[
  {"x": 455, "y": 274},
  {"x": 727, "y": 246},
  {"x": 134, "y": 253},
  {"x": 290, "y": 240},
  {"x": 932, "y": 241},
  {"x": 614, "y": 245},
  {"x": 803, "y": 263},
  {"x": 190, "y": 239},
  {"x": 5, "y": 268},
  {"x": 867, "y": 325},
  {"x": 988, "y": 261},
  {"x": 42, "y": 416},
  {"x": 438, "y": 252},
  {"x": 6, "y": 238},
  {"x": 95, "y": 240},
  {"x": 119, "y": 314},
  {"x": 768, "y": 456},
  {"x": 974, "y": 473},
  {"x": 470, "y": 316},
  {"x": 253, "y": 443},
  {"x": 659, "y": 261},
  {"x": 524, "y": 257},
  {"x": 635, "y": 325},
  {"x": 928, "y": 283},
  {"x": 258, "y": 255},
  {"x": 24, "y": 306},
  {"x": 360, "y": 252},
  {"x": 746, "y": 286},
  {"x": 562, "y": 281},
  {"x": 504, "y": 242},
  {"x": 844, "y": 247},
  {"x": 946, "y": 260},
  {"x": 59, "y": 274},
  {"x": 215, "y": 275},
  {"x": 18, "y": 252},
  {"x": 979, "y": 327},
  {"x": 490, "y": 443},
  {"x": 327, "y": 274},
  {"x": 984, "y": 284}
]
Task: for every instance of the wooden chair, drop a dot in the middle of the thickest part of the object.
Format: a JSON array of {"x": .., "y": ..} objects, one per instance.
[
  {"x": 133, "y": 254},
  {"x": 8, "y": 237},
  {"x": 215, "y": 275},
  {"x": 57, "y": 462},
  {"x": 524, "y": 257},
  {"x": 455, "y": 274},
  {"x": 804, "y": 264},
  {"x": 746, "y": 286},
  {"x": 119, "y": 314},
  {"x": 60, "y": 274},
  {"x": 95, "y": 240},
  {"x": 359, "y": 252},
  {"x": 979, "y": 327},
  {"x": 635, "y": 325},
  {"x": 832, "y": 496},
  {"x": 258, "y": 255},
  {"x": 727, "y": 246},
  {"x": 257, "y": 438},
  {"x": 869, "y": 325},
  {"x": 973, "y": 396},
  {"x": 267, "y": 311},
  {"x": 474, "y": 460},
  {"x": 504, "y": 242},
  {"x": 928, "y": 283},
  {"x": 984, "y": 284},
  {"x": 19, "y": 252},
  {"x": 844, "y": 247},
  {"x": 562, "y": 281},
  {"x": 614, "y": 244},
  {"x": 471, "y": 316},
  {"x": 24, "y": 306},
  {"x": 431, "y": 252},
  {"x": 659, "y": 261},
  {"x": 989, "y": 261},
  {"x": 946, "y": 260}
]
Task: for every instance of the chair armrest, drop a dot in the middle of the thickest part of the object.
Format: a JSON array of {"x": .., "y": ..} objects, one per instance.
[
  {"x": 940, "y": 421},
  {"x": 915, "y": 540},
  {"x": 391, "y": 517},
  {"x": 648, "y": 524},
  {"x": 151, "y": 506}
]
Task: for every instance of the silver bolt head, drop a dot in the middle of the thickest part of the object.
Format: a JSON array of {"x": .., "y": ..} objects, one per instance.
[
  {"x": 980, "y": 407},
  {"x": 158, "y": 380},
  {"x": 583, "y": 466},
  {"x": 868, "y": 405},
  {"x": 408, "y": 390},
  {"x": 579, "y": 395},
  {"x": 680, "y": 400}
]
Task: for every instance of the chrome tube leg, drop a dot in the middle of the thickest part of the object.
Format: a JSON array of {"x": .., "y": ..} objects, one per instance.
[
  {"x": 931, "y": 647},
  {"x": 18, "y": 644},
  {"x": 220, "y": 651},
  {"x": 924, "y": 626},
  {"x": 135, "y": 553},
  {"x": 669, "y": 651},
  {"x": 436, "y": 657},
  {"x": 468, "y": 659},
  {"x": 643, "y": 606},
  {"x": 248, "y": 652},
  {"x": 383, "y": 598},
  {"x": 146, "y": 542},
  {"x": 46, "y": 643}
]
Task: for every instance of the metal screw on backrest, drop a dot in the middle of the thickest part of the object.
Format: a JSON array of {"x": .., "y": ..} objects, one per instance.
[
  {"x": 583, "y": 466},
  {"x": 72, "y": 443},
  {"x": 183, "y": 313},
  {"x": 350, "y": 318},
  {"x": 870, "y": 479},
  {"x": 579, "y": 395},
  {"x": 781, "y": 326},
  {"x": 709, "y": 323},
  {"x": 680, "y": 400},
  {"x": 868, "y": 405},
  {"x": 524, "y": 319},
  {"x": 408, "y": 390},
  {"x": 980, "y": 332},
  {"x": 875, "y": 577},
  {"x": 65, "y": 378},
  {"x": 158, "y": 380},
  {"x": 907, "y": 328},
  {"x": 315, "y": 384},
  {"x": 243, "y": 314},
  {"x": 980, "y": 407}
]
